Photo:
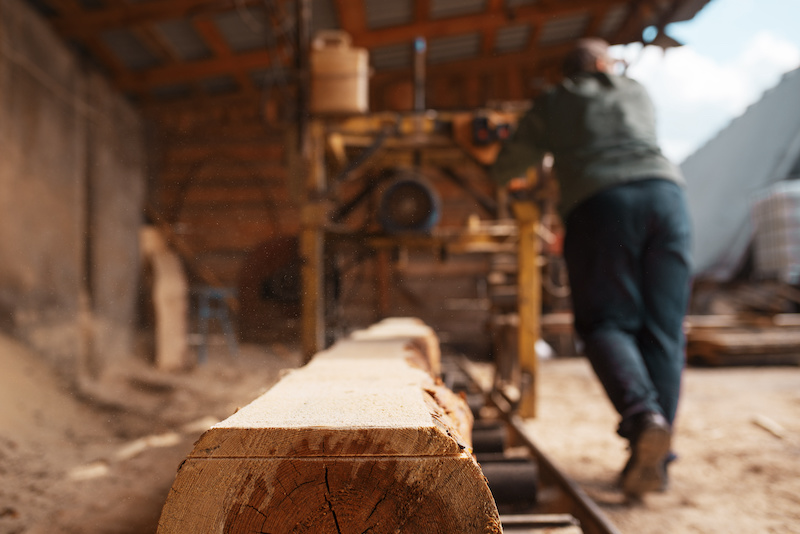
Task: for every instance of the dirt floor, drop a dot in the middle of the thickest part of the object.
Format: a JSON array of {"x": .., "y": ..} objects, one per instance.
[
  {"x": 100, "y": 459},
  {"x": 737, "y": 438}
]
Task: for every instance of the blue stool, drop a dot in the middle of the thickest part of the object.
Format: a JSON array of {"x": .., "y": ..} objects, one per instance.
[{"x": 211, "y": 303}]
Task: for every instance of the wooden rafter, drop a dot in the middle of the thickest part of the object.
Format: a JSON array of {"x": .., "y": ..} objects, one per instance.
[
  {"x": 219, "y": 46},
  {"x": 76, "y": 25},
  {"x": 480, "y": 22},
  {"x": 598, "y": 17},
  {"x": 352, "y": 17},
  {"x": 196, "y": 70},
  {"x": 140, "y": 18},
  {"x": 488, "y": 23},
  {"x": 422, "y": 10},
  {"x": 493, "y": 7}
]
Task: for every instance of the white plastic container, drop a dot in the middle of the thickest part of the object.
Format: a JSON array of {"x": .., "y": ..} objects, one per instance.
[
  {"x": 339, "y": 74},
  {"x": 776, "y": 241}
]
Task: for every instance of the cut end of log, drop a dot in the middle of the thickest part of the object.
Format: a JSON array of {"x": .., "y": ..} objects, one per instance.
[{"x": 361, "y": 439}]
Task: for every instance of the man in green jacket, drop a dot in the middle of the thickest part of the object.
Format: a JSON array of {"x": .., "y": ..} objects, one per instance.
[{"x": 626, "y": 245}]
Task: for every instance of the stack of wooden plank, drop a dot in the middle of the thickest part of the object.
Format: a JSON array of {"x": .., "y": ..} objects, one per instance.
[
  {"x": 362, "y": 439},
  {"x": 743, "y": 340}
]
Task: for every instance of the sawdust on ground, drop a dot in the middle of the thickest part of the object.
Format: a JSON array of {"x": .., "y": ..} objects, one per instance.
[{"x": 737, "y": 437}]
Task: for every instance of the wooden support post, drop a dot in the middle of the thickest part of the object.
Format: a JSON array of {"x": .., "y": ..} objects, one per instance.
[
  {"x": 529, "y": 302},
  {"x": 312, "y": 272},
  {"x": 312, "y": 244},
  {"x": 362, "y": 439}
]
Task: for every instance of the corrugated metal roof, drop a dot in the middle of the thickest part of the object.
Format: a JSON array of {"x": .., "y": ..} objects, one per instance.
[
  {"x": 613, "y": 20},
  {"x": 452, "y": 8},
  {"x": 512, "y": 38},
  {"x": 126, "y": 46},
  {"x": 389, "y": 57},
  {"x": 134, "y": 35},
  {"x": 244, "y": 28},
  {"x": 453, "y": 48},
  {"x": 323, "y": 15},
  {"x": 563, "y": 29},
  {"x": 381, "y": 14},
  {"x": 183, "y": 39},
  {"x": 754, "y": 151}
]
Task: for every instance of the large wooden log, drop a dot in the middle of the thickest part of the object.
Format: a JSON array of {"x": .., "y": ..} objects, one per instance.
[{"x": 361, "y": 439}]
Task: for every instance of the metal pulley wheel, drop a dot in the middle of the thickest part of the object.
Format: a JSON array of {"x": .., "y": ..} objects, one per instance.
[{"x": 409, "y": 205}]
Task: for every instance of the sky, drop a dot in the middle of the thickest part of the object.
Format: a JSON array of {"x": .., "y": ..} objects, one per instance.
[{"x": 733, "y": 51}]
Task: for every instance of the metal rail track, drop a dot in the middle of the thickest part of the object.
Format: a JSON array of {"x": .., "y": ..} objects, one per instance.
[{"x": 573, "y": 500}]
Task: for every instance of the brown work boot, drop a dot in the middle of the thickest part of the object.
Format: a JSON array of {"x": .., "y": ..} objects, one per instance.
[{"x": 646, "y": 468}]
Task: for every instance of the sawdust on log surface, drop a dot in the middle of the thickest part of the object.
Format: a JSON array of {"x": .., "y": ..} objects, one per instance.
[{"x": 101, "y": 460}]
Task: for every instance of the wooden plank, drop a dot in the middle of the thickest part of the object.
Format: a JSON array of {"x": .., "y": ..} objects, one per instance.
[
  {"x": 361, "y": 439},
  {"x": 744, "y": 346}
]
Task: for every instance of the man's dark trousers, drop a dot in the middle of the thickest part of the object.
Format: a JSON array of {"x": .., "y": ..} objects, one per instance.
[{"x": 627, "y": 250}]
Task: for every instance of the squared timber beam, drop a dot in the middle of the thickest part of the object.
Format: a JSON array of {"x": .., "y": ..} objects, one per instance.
[{"x": 361, "y": 439}]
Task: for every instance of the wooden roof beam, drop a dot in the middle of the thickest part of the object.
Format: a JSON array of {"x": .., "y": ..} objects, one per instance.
[
  {"x": 222, "y": 51},
  {"x": 352, "y": 17},
  {"x": 480, "y": 22},
  {"x": 490, "y": 34},
  {"x": 77, "y": 24},
  {"x": 477, "y": 68},
  {"x": 196, "y": 70},
  {"x": 489, "y": 65},
  {"x": 598, "y": 17},
  {"x": 422, "y": 10},
  {"x": 72, "y": 8}
]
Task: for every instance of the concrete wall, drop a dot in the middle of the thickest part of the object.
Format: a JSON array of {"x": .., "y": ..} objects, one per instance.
[{"x": 71, "y": 187}]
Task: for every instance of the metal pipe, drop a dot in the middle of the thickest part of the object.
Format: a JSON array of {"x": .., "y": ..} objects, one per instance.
[{"x": 420, "y": 57}]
